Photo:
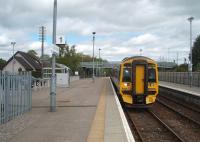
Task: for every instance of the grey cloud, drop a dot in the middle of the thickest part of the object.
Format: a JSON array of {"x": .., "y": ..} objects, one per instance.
[{"x": 164, "y": 19}]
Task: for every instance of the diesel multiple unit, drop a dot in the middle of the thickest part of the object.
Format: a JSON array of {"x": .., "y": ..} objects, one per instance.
[{"x": 137, "y": 81}]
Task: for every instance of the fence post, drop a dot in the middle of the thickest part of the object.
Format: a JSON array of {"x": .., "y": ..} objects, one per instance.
[
  {"x": 30, "y": 91},
  {"x": 2, "y": 97},
  {"x": 198, "y": 79},
  {"x": 6, "y": 109}
]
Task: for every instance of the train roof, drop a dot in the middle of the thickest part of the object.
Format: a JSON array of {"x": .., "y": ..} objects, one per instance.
[{"x": 134, "y": 57}]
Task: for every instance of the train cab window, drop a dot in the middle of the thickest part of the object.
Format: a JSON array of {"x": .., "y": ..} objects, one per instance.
[
  {"x": 127, "y": 73},
  {"x": 151, "y": 75}
]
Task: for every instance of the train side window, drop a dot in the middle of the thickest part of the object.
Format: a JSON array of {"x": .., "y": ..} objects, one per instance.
[
  {"x": 151, "y": 75},
  {"x": 127, "y": 75},
  {"x": 119, "y": 71}
]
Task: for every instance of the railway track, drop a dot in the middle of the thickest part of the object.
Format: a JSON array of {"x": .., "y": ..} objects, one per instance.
[
  {"x": 177, "y": 101},
  {"x": 170, "y": 119},
  {"x": 149, "y": 128},
  {"x": 167, "y": 120},
  {"x": 193, "y": 114}
]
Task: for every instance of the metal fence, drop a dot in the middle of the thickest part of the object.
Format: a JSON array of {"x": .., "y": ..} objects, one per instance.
[
  {"x": 181, "y": 78},
  {"x": 15, "y": 95}
]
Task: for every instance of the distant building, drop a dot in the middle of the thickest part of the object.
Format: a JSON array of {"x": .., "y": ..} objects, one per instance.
[{"x": 24, "y": 62}]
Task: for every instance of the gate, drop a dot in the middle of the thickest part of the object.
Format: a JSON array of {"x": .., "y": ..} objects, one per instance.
[{"x": 15, "y": 95}]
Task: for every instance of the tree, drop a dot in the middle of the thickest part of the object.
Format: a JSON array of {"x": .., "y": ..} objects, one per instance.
[
  {"x": 72, "y": 59},
  {"x": 2, "y": 61},
  {"x": 196, "y": 53},
  {"x": 182, "y": 68},
  {"x": 32, "y": 52}
]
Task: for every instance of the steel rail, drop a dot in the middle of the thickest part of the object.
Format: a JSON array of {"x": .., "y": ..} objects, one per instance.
[
  {"x": 182, "y": 104},
  {"x": 166, "y": 126},
  {"x": 134, "y": 126},
  {"x": 174, "y": 110}
]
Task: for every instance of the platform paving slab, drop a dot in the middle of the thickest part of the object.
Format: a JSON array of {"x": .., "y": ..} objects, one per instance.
[
  {"x": 114, "y": 130},
  {"x": 77, "y": 109},
  {"x": 71, "y": 122}
]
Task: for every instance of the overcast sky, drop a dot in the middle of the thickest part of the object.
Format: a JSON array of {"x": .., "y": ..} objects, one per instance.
[{"x": 158, "y": 27}]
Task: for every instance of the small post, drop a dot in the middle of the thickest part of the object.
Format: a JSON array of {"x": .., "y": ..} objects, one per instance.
[
  {"x": 93, "y": 77},
  {"x": 99, "y": 62},
  {"x": 6, "y": 102}
]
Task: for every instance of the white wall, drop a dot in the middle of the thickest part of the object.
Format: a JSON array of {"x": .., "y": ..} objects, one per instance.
[
  {"x": 62, "y": 79},
  {"x": 17, "y": 65},
  {"x": 74, "y": 78}
]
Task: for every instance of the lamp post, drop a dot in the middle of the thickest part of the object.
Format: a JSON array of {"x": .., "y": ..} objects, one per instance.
[
  {"x": 53, "y": 75},
  {"x": 93, "y": 56},
  {"x": 190, "y": 54},
  {"x": 13, "y": 45},
  {"x": 99, "y": 61},
  {"x": 140, "y": 52}
]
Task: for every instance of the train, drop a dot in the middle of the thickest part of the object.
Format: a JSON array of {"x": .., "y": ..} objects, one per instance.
[{"x": 136, "y": 81}]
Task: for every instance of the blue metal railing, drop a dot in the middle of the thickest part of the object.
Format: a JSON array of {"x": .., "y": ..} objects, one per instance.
[{"x": 15, "y": 95}]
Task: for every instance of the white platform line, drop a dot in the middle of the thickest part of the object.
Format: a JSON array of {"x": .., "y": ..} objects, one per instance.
[{"x": 127, "y": 129}]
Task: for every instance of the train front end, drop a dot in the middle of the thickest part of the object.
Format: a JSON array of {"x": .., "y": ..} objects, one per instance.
[{"x": 138, "y": 82}]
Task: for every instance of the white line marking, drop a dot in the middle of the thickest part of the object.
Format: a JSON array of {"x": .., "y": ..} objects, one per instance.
[{"x": 127, "y": 129}]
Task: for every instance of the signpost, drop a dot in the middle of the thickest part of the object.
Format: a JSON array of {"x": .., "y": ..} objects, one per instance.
[{"x": 53, "y": 75}]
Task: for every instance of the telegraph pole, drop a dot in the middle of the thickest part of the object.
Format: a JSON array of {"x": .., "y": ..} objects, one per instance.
[
  {"x": 13, "y": 45},
  {"x": 42, "y": 32},
  {"x": 53, "y": 76}
]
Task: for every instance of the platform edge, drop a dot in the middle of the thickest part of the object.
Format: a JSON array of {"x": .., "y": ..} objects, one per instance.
[
  {"x": 180, "y": 90},
  {"x": 127, "y": 129}
]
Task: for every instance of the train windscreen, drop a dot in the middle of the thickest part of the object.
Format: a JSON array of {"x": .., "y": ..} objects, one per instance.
[
  {"x": 127, "y": 73},
  {"x": 151, "y": 75}
]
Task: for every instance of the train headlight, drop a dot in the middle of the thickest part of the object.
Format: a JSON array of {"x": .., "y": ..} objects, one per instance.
[{"x": 125, "y": 84}]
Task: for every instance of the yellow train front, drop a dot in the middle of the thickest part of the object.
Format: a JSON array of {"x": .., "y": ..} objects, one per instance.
[{"x": 138, "y": 81}]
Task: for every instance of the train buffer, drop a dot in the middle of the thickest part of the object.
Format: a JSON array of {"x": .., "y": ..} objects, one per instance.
[{"x": 86, "y": 111}]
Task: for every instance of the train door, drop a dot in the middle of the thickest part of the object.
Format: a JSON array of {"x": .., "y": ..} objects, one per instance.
[
  {"x": 140, "y": 82},
  {"x": 139, "y": 79}
]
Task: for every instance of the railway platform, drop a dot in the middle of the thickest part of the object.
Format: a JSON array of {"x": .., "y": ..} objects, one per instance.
[
  {"x": 181, "y": 87},
  {"x": 86, "y": 112}
]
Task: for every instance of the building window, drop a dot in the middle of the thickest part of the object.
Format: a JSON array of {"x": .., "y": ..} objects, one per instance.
[{"x": 19, "y": 69}]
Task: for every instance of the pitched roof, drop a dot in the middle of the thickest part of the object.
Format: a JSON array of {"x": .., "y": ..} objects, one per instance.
[
  {"x": 29, "y": 61},
  {"x": 24, "y": 63},
  {"x": 33, "y": 60},
  {"x": 46, "y": 64}
]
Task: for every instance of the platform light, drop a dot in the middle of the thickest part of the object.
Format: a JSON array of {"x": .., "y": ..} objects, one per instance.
[
  {"x": 190, "y": 19},
  {"x": 99, "y": 61},
  {"x": 93, "y": 33}
]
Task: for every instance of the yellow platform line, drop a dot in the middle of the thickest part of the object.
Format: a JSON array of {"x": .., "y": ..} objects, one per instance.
[{"x": 96, "y": 133}]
